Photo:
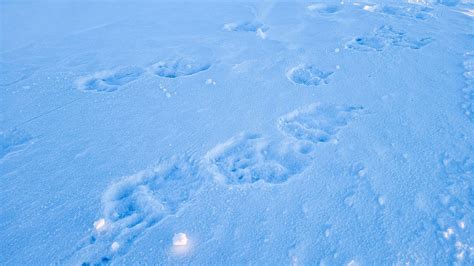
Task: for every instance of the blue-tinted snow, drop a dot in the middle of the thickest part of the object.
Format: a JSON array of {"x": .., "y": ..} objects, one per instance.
[{"x": 269, "y": 132}]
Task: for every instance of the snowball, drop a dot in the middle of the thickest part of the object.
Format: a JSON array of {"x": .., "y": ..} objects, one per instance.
[{"x": 180, "y": 239}]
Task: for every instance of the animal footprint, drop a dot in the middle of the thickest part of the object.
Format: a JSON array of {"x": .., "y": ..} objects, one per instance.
[
  {"x": 245, "y": 26},
  {"x": 109, "y": 80},
  {"x": 248, "y": 158},
  {"x": 308, "y": 75},
  {"x": 386, "y": 36},
  {"x": 450, "y": 2},
  {"x": 179, "y": 67},
  {"x": 13, "y": 141},
  {"x": 412, "y": 11},
  {"x": 369, "y": 43},
  {"x": 399, "y": 38},
  {"x": 134, "y": 204},
  {"x": 323, "y": 8},
  {"x": 259, "y": 28},
  {"x": 317, "y": 123}
]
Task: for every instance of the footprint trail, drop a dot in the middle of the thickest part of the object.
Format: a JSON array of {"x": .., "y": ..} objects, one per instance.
[
  {"x": 135, "y": 203},
  {"x": 248, "y": 158}
]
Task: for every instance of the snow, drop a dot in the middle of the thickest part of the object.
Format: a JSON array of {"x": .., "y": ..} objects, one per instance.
[{"x": 237, "y": 132}]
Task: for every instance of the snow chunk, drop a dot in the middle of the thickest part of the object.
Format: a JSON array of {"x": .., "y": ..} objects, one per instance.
[
  {"x": 448, "y": 233},
  {"x": 180, "y": 239},
  {"x": 100, "y": 224},
  {"x": 210, "y": 82},
  {"x": 370, "y": 8},
  {"x": 115, "y": 246},
  {"x": 261, "y": 34}
]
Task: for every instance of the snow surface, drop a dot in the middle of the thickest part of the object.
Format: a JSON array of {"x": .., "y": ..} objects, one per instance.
[{"x": 266, "y": 132}]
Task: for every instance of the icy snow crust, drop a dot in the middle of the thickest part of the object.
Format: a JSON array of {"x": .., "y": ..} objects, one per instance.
[{"x": 205, "y": 132}]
